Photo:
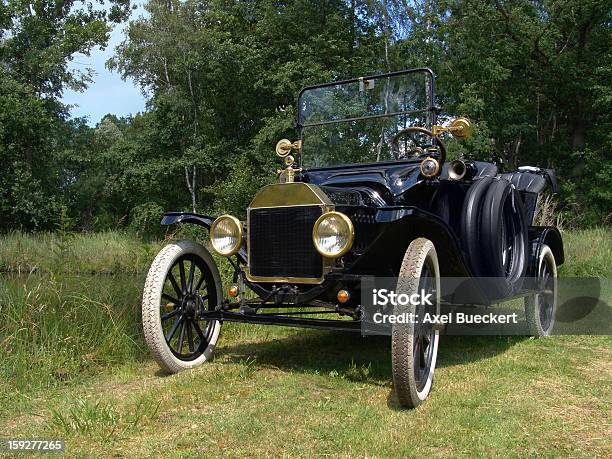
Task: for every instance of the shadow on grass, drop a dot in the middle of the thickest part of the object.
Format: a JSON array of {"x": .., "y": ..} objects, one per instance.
[{"x": 365, "y": 359}]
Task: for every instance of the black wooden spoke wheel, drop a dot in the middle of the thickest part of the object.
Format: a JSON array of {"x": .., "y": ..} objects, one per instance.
[
  {"x": 541, "y": 308},
  {"x": 182, "y": 283},
  {"x": 414, "y": 345}
]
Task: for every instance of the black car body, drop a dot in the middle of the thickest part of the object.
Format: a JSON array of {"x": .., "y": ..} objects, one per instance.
[
  {"x": 390, "y": 203},
  {"x": 361, "y": 205}
]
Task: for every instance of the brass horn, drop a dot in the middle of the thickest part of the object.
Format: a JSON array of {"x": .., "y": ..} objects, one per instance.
[{"x": 461, "y": 170}]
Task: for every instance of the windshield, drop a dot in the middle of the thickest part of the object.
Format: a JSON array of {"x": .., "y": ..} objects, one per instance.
[{"x": 352, "y": 121}]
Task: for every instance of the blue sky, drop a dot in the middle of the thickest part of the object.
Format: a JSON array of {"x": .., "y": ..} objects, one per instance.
[{"x": 108, "y": 93}]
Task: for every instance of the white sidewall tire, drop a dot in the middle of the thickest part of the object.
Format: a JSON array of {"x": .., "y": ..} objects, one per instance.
[
  {"x": 151, "y": 300},
  {"x": 419, "y": 252},
  {"x": 532, "y": 314}
]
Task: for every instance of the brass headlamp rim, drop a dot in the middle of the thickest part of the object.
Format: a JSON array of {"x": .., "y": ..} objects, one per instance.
[
  {"x": 284, "y": 147},
  {"x": 213, "y": 227},
  {"x": 351, "y": 229},
  {"x": 460, "y": 128},
  {"x": 436, "y": 171}
]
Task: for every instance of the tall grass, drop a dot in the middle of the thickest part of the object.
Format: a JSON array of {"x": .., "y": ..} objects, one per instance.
[
  {"x": 588, "y": 253},
  {"x": 82, "y": 253},
  {"x": 57, "y": 329},
  {"x": 70, "y": 305}
]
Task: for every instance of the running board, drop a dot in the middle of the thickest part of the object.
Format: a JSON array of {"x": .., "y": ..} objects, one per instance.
[{"x": 272, "y": 319}]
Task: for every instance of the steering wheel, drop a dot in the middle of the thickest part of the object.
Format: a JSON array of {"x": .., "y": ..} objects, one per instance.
[{"x": 419, "y": 150}]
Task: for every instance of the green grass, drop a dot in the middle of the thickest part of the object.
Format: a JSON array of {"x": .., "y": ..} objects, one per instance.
[
  {"x": 588, "y": 253},
  {"x": 82, "y": 253},
  {"x": 56, "y": 329},
  {"x": 74, "y": 366}
]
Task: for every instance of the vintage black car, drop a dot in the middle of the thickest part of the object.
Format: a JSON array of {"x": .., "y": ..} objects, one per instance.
[{"x": 365, "y": 192}]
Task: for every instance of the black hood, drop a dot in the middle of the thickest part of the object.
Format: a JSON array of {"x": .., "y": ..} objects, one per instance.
[{"x": 376, "y": 184}]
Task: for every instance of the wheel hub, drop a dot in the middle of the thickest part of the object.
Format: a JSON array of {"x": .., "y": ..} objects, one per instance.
[{"x": 189, "y": 305}]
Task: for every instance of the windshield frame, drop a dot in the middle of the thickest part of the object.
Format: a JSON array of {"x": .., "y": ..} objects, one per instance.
[{"x": 431, "y": 110}]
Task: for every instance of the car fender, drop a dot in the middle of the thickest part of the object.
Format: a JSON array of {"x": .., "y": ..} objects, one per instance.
[
  {"x": 171, "y": 218},
  {"x": 549, "y": 235},
  {"x": 399, "y": 225}
]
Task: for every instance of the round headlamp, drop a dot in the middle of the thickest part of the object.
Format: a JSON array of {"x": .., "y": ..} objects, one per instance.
[
  {"x": 226, "y": 235},
  {"x": 430, "y": 167},
  {"x": 333, "y": 234}
]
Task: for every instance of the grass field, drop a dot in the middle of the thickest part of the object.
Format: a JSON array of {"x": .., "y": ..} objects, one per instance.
[{"x": 74, "y": 366}]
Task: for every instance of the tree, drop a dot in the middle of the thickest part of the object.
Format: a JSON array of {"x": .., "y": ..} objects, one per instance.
[
  {"x": 223, "y": 77},
  {"x": 535, "y": 75},
  {"x": 37, "y": 41}
]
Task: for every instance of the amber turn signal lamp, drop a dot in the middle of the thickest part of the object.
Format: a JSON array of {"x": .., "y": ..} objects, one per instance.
[
  {"x": 233, "y": 291},
  {"x": 343, "y": 296}
]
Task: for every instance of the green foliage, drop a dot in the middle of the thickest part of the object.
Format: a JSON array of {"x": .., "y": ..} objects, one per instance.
[
  {"x": 536, "y": 75},
  {"x": 37, "y": 42},
  {"x": 234, "y": 194},
  {"x": 145, "y": 219},
  {"x": 222, "y": 79}
]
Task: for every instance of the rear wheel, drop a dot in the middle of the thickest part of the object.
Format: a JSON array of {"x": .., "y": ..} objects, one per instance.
[
  {"x": 414, "y": 345},
  {"x": 540, "y": 309},
  {"x": 183, "y": 282}
]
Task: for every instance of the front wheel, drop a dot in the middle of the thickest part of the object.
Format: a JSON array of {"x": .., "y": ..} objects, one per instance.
[
  {"x": 183, "y": 282},
  {"x": 414, "y": 345}
]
